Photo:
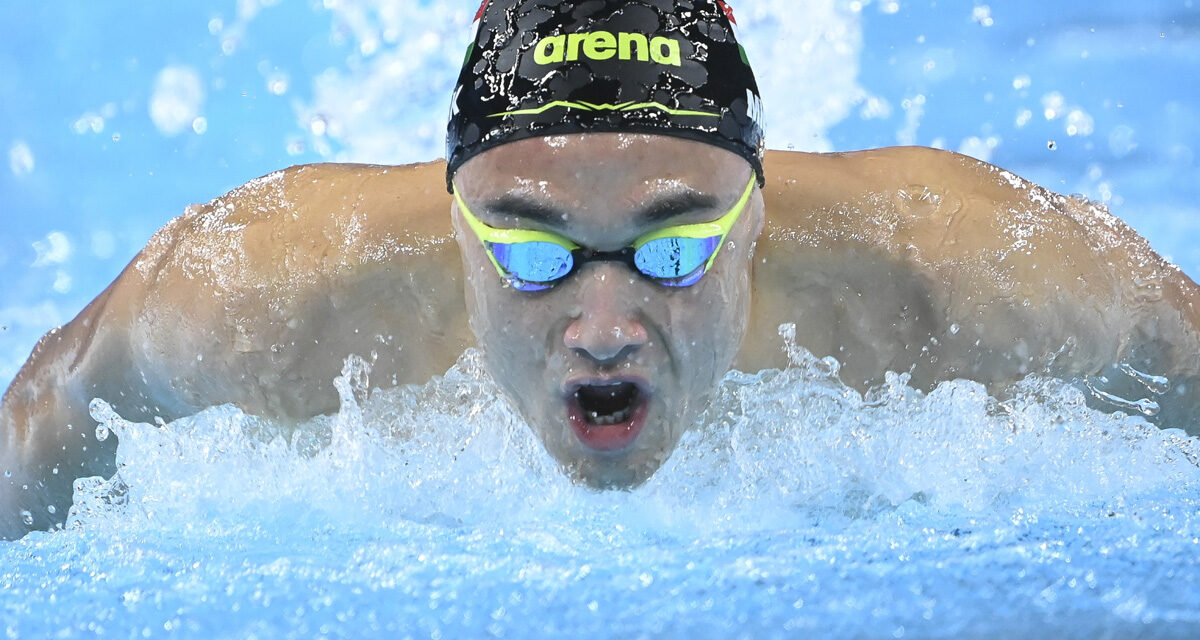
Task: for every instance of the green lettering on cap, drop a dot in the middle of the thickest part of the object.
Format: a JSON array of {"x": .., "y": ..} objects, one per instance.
[
  {"x": 600, "y": 45},
  {"x": 605, "y": 45},
  {"x": 550, "y": 50},
  {"x": 665, "y": 51},
  {"x": 573, "y": 42},
  {"x": 627, "y": 42}
]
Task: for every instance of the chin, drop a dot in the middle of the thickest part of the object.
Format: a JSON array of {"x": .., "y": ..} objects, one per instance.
[
  {"x": 612, "y": 475},
  {"x": 619, "y": 470}
]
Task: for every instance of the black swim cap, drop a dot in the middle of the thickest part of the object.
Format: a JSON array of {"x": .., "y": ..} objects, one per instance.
[{"x": 553, "y": 67}]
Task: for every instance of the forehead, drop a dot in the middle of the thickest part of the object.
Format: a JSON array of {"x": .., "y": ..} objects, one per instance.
[{"x": 597, "y": 169}]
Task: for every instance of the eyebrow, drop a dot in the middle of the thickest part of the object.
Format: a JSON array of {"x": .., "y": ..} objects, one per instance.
[{"x": 660, "y": 209}]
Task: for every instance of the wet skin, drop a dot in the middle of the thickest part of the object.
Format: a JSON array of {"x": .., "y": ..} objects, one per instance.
[
  {"x": 902, "y": 259},
  {"x": 605, "y": 323}
]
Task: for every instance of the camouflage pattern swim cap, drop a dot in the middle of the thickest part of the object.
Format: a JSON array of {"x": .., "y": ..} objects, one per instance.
[{"x": 553, "y": 67}]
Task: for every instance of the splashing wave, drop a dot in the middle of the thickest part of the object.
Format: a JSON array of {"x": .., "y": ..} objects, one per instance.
[{"x": 796, "y": 505}]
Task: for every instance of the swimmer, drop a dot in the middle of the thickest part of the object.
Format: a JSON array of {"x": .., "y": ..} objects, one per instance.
[{"x": 622, "y": 241}]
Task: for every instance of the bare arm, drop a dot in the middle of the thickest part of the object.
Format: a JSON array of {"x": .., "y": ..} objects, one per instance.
[
  {"x": 897, "y": 259},
  {"x": 47, "y": 438},
  {"x": 923, "y": 261},
  {"x": 277, "y": 282},
  {"x": 254, "y": 299}
]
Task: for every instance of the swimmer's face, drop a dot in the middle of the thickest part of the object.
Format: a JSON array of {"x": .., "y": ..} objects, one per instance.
[{"x": 609, "y": 368}]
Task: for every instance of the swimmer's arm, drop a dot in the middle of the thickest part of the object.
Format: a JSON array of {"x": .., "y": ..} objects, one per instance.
[
  {"x": 47, "y": 436},
  {"x": 275, "y": 284},
  {"x": 255, "y": 299},
  {"x": 928, "y": 262}
]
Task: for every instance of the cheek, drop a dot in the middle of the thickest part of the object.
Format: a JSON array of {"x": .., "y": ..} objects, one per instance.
[
  {"x": 512, "y": 332},
  {"x": 707, "y": 324},
  {"x": 488, "y": 311}
]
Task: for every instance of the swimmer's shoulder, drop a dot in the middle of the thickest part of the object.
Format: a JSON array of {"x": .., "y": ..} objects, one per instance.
[
  {"x": 278, "y": 280},
  {"x": 339, "y": 203},
  {"x": 890, "y": 186},
  {"x": 317, "y": 218},
  {"x": 928, "y": 204}
]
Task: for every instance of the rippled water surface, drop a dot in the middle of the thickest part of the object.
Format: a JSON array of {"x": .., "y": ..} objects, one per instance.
[{"x": 798, "y": 506}]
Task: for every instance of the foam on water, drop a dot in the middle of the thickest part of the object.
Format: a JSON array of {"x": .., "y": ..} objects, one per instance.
[{"x": 797, "y": 505}]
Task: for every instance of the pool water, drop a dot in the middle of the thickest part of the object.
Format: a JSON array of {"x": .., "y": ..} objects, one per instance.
[
  {"x": 799, "y": 507},
  {"x": 796, "y": 508}
]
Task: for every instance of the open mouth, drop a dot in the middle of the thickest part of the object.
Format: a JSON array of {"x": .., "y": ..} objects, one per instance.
[{"x": 609, "y": 415}]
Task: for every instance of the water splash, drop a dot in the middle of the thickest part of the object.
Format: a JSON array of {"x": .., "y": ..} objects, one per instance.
[
  {"x": 796, "y": 504},
  {"x": 1158, "y": 385}
]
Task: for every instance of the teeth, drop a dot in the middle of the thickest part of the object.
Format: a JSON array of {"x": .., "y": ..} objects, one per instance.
[
  {"x": 613, "y": 418},
  {"x": 611, "y": 391}
]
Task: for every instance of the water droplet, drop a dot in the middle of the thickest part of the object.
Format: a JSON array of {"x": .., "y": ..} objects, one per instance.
[
  {"x": 27, "y": 518},
  {"x": 277, "y": 84},
  {"x": 318, "y": 125},
  {"x": 954, "y": 329},
  {"x": 1148, "y": 408},
  {"x": 1158, "y": 385},
  {"x": 51, "y": 509}
]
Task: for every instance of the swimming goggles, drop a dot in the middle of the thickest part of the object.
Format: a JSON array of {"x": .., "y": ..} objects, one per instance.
[{"x": 675, "y": 256}]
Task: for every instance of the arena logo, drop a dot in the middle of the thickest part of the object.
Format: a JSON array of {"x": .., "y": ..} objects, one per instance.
[{"x": 605, "y": 45}]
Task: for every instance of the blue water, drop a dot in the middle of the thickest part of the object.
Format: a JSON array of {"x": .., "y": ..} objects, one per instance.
[{"x": 796, "y": 508}]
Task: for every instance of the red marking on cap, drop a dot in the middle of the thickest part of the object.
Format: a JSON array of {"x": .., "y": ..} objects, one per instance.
[
  {"x": 728, "y": 11},
  {"x": 479, "y": 14}
]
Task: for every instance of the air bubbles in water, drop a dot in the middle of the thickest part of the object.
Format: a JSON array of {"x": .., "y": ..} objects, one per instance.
[{"x": 27, "y": 518}]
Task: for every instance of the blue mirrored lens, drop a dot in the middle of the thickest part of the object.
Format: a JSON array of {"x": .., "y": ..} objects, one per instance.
[
  {"x": 534, "y": 262},
  {"x": 673, "y": 258}
]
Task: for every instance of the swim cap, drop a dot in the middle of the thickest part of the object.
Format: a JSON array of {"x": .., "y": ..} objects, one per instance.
[{"x": 554, "y": 67}]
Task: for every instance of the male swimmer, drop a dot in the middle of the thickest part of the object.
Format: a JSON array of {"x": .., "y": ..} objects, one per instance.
[{"x": 622, "y": 242}]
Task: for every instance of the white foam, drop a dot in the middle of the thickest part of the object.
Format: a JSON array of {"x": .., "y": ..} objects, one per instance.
[
  {"x": 797, "y": 505},
  {"x": 775, "y": 449}
]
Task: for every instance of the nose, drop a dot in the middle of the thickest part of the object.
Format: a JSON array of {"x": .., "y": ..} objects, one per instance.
[{"x": 606, "y": 329}]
